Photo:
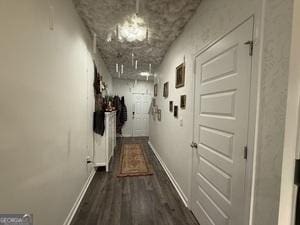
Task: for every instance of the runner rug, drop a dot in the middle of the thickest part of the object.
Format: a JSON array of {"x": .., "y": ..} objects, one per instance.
[{"x": 133, "y": 161}]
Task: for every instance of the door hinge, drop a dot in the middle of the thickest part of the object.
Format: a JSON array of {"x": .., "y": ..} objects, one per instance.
[
  {"x": 297, "y": 172},
  {"x": 251, "y": 45},
  {"x": 246, "y": 152},
  {"x": 194, "y": 145}
]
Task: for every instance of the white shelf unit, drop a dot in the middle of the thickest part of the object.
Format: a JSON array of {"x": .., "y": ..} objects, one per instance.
[{"x": 104, "y": 145}]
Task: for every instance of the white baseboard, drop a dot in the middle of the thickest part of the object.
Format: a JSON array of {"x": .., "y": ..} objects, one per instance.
[
  {"x": 171, "y": 177},
  {"x": 79, "y": 198},
  {"x": 99, "y": 164}
]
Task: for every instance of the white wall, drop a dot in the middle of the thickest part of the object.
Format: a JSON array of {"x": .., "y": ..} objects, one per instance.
[
  {"x": 292, "y": 127},
  {"x": 126, "y": 88},
  {"x": 213, "y": 19},
  {"x": 46, "y": 106}
]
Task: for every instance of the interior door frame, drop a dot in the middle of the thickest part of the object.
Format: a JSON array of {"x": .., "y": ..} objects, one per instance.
[
  {"x": 291, "y": 149},
  {"x": 252, "y": 122},
  {"x": 288, "y": 197}
]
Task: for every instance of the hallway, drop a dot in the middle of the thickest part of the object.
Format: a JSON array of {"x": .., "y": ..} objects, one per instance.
[
  {"x": 146, "y": 200},
  {"x": 209, "y": 88}
]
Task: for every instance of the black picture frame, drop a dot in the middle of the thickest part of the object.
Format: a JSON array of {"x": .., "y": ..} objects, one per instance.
[
  {"x": 155, "y": 90},
  {"x": 176, "y": 111},
  {"x": 171, "y": 106},
  {"x": 182, "y": 101},
  {"x": 166, "y": 90},
  {"x": 180, "y": 76}
]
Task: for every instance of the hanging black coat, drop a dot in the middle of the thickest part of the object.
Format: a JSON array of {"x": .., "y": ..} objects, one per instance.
[
  {"x": 123, "y": 111},
  {"x": 118, "y": 105},
  {"x": 99, "y": 123}
]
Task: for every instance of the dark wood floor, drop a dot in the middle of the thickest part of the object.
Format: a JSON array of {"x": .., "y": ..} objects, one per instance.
[{"x": 146, "y": 200}]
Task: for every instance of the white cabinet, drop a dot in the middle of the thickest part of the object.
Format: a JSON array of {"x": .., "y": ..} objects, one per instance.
[{"x": 104, "y": 145}]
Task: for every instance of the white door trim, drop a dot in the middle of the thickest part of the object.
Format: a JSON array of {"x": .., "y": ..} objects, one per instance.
[
  {"x": 291, "y": 149},
  {"x": 253, "y": 118}
]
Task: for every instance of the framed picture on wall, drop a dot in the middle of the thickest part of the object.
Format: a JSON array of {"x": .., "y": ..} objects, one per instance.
[
  {"x": 183, "y": 101},
  {"x": 166, "y": 90},
  {"x": 171, "y": 106},
  {"x": 176, "y": 111},
  {"x": 155, "y": 90},
  {"x": 180, "y": 75}
]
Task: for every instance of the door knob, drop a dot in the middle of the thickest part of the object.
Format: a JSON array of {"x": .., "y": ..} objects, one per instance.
[{"x": 194, "y": 145}]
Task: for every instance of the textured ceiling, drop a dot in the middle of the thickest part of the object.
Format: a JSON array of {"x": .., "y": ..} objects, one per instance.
[{"x": 164, "y": 19}]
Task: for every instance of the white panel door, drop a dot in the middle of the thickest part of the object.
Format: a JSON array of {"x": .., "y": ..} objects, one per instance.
[
  {"x": 222, "y": 92},
  {"x": 141, "y": 115}
]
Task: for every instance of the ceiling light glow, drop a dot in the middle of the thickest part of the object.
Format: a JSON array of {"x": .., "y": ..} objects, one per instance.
[
  {"x": 145, "y": 74},
  {"x": 133, "y": 29}
]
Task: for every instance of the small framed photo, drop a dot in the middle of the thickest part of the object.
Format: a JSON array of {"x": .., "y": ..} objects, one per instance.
[
  {"x": 159, "y": 114},
  {"x": 176, "y": 111},
  {"x": 166, "y": 90},
  {"x": 183, "y": 101},
  {"x": 171, "y": 106},
  {"x": 155, "y": 90},
  {"x": 180, "y": 75}
]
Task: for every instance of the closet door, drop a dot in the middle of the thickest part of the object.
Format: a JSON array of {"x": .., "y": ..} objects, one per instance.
[
  {"x": 222, "y": 93},
  {"x": 141, "y": 115}
]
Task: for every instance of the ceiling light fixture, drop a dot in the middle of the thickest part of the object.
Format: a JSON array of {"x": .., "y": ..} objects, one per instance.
[
  {"x": 132, "y": 59},
  {"x": 122, "y": 69},
  {"x": 145, "y": 74},
  {"x": 117, "y": 68},
  {"x": 117, "y": 32},
  {"x": 147, "y": 34},
  {"x": 51, "y": 17},
  {"x": 94, "y": 43},
  {"x": 133, "y": 29},
  {"x": 137, "y": 7}
]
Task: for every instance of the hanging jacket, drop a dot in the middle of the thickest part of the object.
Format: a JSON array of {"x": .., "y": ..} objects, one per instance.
[
  {"x": 99, "y": 123},
  {"x": 118, "y": 105},
  {"x": 124, "y": 111}
]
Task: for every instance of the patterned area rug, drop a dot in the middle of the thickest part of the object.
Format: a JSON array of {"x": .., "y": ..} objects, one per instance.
[{"x": 134, "y": 161}]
